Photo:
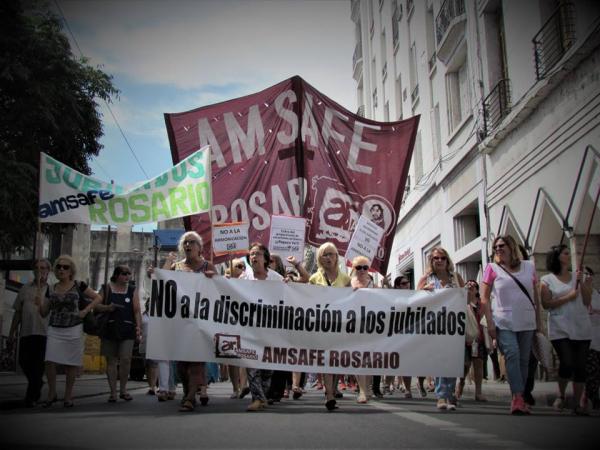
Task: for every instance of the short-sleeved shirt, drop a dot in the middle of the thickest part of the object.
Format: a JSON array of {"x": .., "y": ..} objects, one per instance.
[
  {"x": 32, "y": 323},
  {"x": 64, "y": 306},
  {"x": 570, "y": 320},
  {"x": 511, "y": 309},
  {"x": 319, "y": 278},
  {"x": 271, "y": 275}
]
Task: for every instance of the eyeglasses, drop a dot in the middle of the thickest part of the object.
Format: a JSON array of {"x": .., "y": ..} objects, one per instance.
[
  {"x": 499, "y": 246},
  {"x": 63, "y": 267},
  {"x": 240, "y": 266},
  {"x": 125, "y": 273},
  {"x": 439, "y": 258},
  {"x": 365, "y": 267},
  {"x": 253, "y": 254},
  {"x": 190, "y": 242}
]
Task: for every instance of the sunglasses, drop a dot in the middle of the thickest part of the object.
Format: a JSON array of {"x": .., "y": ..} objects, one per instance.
[
  {"x": 240, "y": 266},
  {"x": 365, "y": 267},
  {"x": 63, "y": 267},
  {"x": 499, "y": 246},
  {"x": 439, "y": 258},
  {"x": 125, "y": 273}
]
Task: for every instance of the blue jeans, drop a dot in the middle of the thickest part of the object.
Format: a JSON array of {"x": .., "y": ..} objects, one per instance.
[
  {"x": 515, "y": 346},
  {"x": 444, "y": 387}
]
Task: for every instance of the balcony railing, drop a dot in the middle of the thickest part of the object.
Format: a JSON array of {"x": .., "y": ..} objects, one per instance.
[
  {"x": 357, "y": 53},
  {"x": 432, "y": 61},
  {"x": 554, "y": 38},
  {"x": 496, "y": 106},
  {"x": 414, "y": 94},
  {"x": 448, "y": 12}
]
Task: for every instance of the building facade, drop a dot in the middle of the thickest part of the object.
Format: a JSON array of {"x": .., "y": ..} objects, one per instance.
[{"x": 509, "y": 139}]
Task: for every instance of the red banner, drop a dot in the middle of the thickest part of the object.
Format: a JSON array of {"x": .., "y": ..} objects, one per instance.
[{"x": 290, "y": 150}]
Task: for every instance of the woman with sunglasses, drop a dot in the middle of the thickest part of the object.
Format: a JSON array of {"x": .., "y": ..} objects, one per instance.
[
  {"x": 514, "y": 315},
  {"x": 439, "y": 274},
  {"x": 329, "y": 274},
  {"x": 65, "y": 327},
  {"x": 191, "y": 373},
  {"x": 567, "y": 297},
  {"x": 361, "y": 279},
  {"x": 475, "y": 352},
  {"x": 124, "y": 323}
]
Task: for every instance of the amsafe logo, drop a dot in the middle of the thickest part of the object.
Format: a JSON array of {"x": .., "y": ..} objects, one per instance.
[{"x": 229, "y": 346}]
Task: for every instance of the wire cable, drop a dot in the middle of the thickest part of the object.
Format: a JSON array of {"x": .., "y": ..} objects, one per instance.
[{"x": 105, "y": 102}]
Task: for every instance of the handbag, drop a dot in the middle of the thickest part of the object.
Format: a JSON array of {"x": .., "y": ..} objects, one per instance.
[
  {"x": 472, "y": 327},
  {"x": 542, "y": 350},
  {"x": 94, "y": 323}
]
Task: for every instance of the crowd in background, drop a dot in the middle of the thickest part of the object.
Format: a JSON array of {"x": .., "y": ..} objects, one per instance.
[{"x": 503, "y": 311}]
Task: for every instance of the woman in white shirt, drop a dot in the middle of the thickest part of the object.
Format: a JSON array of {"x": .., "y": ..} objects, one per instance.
[
  {"x": 567, "y": 297},
  {"x": 510, "y": 302}
]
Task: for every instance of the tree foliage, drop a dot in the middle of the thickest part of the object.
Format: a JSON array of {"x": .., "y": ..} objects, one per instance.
[{"x": 48, "y": 103}]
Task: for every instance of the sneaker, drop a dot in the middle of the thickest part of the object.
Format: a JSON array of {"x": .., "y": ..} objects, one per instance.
[
  {"x": 162, "y": 396},
  {"x": 451, "y": 406},
  {"x": 342, "y": 386},
  {"x": 559, "y": 404},
  {"x": 441, "y": 404},
  {"x": 256, "y": 405},
  {"x": 518, "y": 406}
]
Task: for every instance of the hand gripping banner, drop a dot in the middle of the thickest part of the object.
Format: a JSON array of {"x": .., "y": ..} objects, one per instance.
[{"x": 290, "y": 150}]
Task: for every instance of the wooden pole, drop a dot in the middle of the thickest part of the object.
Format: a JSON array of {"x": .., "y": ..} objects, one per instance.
[{"x": 589, "y": 230}]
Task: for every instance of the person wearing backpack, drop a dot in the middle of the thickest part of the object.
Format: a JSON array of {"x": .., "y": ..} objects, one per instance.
[
  {"x": 124, "y": 325},
  {"x": 66, "y": 304}
]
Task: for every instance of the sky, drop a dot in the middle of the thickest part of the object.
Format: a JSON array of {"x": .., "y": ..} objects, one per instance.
[{"x": 173, "y": 56}]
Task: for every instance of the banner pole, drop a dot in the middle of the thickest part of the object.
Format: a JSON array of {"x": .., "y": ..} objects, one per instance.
[
  {"x": 106, "y": 258},
  {"x": 589, "y": 230}
]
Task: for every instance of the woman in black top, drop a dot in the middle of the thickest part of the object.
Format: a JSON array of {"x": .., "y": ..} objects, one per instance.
[{"x": 124, "y": 326}]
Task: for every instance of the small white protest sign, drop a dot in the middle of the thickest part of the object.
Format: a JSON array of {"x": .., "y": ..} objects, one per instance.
[
  {"x": 287, "y": 237},
  {"x": 365, "y": 239},
  {"x": 230, "y": 238}
]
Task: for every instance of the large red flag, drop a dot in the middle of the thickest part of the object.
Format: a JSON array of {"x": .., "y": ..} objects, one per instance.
[{"x": 291, "y": 150}]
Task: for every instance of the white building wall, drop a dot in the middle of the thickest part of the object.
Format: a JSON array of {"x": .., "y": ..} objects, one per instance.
[{"x": 474, "y": 170}]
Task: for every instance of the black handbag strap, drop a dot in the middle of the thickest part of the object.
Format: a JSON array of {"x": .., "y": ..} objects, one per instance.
[{"x": 518, "y": 284}]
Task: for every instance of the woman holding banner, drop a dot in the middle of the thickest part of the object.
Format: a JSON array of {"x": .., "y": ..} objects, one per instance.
[
  {"x": 440, "y": 275},
  {"x": 65, "y": 328},
  {"x": 192, "y": 374},
  {"x": 361, "y": 280},
  {"x": 329, "y": 274},
  {"x": 259, "y": 379}
]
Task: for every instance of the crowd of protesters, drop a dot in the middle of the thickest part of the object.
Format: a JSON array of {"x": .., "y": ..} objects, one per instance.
[{"x": 506, "y": 307}]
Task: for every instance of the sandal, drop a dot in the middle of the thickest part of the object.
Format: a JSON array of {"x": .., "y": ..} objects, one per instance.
[
  {"x": 126, "y": 397},
  {"x": 48, "y": 403},
  {"x": 297, "y": 393},
  {"x": 187, "y": 406},
  {"x": 330, "y": 405},
  {"x": 112, "y": 399}
]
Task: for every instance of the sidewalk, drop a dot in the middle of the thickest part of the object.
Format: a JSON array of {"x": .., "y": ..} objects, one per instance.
[
  {"x": 544, "y": 392},
  {"x": 13, "y": 386}
]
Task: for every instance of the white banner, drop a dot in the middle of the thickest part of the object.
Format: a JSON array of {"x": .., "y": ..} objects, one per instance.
[
  {"x": 365, "y": 240},
  {"x": 68, "y": 196},
  {"x": 230, "y": 238},
  {"x": 287, "y": 237},
  {"x": 301, "y": 327}
]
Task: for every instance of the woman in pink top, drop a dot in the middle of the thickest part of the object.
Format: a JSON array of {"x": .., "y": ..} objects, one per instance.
[{"x": 513, "y": 316}]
